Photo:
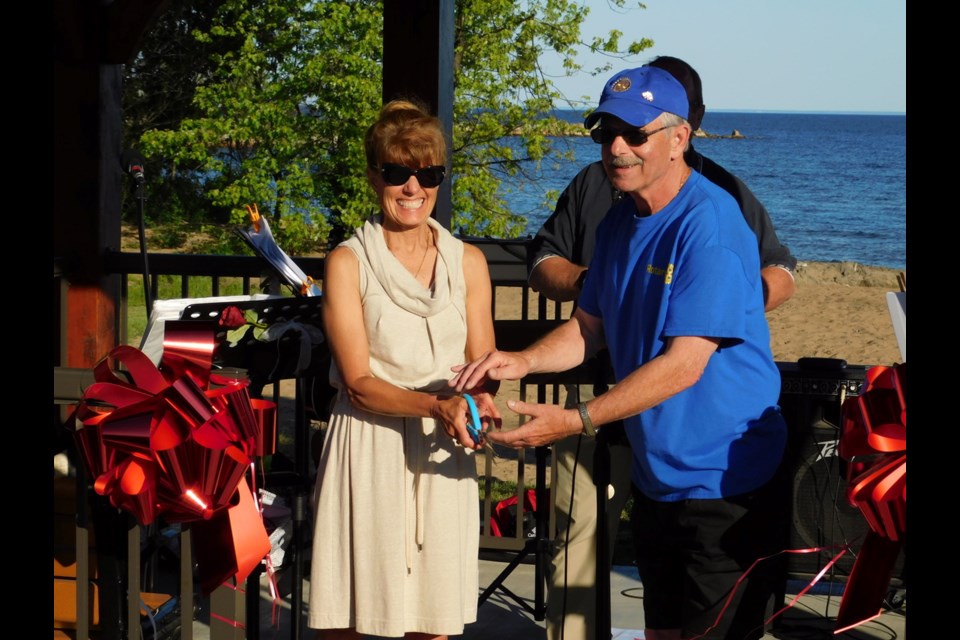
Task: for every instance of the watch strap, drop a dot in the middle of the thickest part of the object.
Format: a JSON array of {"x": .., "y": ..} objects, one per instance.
[{"x": 588, "y": 429}]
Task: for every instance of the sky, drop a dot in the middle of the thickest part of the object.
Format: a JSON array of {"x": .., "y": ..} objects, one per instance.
[{"x": 765, "y": 55}]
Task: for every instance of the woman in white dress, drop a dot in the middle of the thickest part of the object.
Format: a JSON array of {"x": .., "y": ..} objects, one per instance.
[{"x": 396, "y": 501}]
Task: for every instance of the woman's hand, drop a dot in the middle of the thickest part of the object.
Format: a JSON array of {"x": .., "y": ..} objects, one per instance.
[
  {"x": 488, "y": 410},
  {"x": 452, "y": 413}
]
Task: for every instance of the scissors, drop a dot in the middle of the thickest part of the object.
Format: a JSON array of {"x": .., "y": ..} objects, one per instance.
[{"x": 474, "y": 426}]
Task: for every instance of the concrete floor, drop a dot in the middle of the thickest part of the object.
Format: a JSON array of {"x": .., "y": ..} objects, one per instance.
[{"x": 500, "y": 617}]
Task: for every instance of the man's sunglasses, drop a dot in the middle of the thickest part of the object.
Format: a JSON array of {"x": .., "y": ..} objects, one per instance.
[
  {"x": 633, "y": 137},
  {"x": 397, "y": 174}
]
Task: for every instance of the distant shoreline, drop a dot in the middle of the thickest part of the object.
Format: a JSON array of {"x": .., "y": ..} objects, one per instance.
[
  {"x": 845, "y": 271},
  {"x": 568, "y": 129}
]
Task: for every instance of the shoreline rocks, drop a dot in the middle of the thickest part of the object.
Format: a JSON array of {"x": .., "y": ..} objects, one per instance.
[
  {"x": 560, "y": 130},
  {"x": 851, "y": 274}
]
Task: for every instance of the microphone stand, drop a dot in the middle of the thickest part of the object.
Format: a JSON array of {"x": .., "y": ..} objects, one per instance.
[
  {"x": 601, "y": 477},
  {"x": 148, "y": 299},
  {"x": 147, "y": 293}
]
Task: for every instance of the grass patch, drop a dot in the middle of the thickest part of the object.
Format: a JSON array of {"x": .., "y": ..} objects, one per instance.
[
  {"x": 169, "y": 288},
  {"x": 499, "y": 489}
]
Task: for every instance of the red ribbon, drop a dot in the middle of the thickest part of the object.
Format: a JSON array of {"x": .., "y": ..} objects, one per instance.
[
  {"x": 177, "y": 440},
  {"x": 873, "y": 442}
]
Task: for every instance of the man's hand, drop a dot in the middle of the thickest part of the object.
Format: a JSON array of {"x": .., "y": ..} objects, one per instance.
[
  {"x": 493, "y": 365},
  {"x": 547, "y": 424}
]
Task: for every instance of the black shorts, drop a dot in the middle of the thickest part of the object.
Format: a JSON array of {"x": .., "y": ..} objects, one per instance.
[{"x": 692, "y": 554}]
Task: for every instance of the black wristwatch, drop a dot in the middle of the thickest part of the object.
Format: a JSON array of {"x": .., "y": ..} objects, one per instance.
[{"x": 588, "y": 429}]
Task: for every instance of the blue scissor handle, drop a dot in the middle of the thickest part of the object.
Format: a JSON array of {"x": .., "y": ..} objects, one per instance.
[{"x": 474, "y": 427}]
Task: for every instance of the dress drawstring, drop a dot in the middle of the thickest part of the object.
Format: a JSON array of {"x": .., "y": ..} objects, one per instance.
[{"x": 412, "y": 444}]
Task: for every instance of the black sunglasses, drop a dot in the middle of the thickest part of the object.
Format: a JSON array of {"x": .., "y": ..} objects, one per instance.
[
  {"x": 397, "y": 174},
  {"x": 633, "y": 137}
]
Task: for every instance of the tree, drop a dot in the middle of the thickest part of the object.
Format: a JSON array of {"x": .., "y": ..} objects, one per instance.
[
  {"x": 159, "y": 88},
  {"x": 504, "y": 99},
  {"x": 282, "y": 92}
]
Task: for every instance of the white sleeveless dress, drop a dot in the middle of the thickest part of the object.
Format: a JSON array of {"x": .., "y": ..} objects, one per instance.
[{"x": 396, "y": 506}]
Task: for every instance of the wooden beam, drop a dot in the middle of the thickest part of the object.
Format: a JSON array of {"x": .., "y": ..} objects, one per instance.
[
  {"x": 92, "y": 41},
  {"x": 418, "y": 62}
]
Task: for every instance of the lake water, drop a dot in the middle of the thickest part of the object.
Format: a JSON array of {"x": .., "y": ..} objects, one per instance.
[{"x": 834, "y": 184}]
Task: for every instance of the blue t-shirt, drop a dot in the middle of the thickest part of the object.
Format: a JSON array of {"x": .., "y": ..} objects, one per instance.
[{"x": 691, "y": 269}]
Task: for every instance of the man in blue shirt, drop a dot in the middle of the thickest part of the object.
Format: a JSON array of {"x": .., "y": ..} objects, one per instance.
[
  {"x": 674, "y": 292},
  {"x": 557, "y": 261}
]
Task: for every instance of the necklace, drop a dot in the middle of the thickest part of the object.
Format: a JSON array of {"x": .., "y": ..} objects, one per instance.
[
  {"x": 423, "y": 260},
  {"x": 683, "y": 180}
]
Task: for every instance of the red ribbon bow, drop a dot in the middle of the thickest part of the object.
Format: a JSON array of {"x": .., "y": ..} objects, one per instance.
[
  {"x": 874, "y": 444},
  {"x": 176, "y": 441}
]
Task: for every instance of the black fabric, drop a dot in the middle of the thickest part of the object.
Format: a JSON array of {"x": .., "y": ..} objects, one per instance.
[
  {"x": 571, "y": 230},
  {"x": 714, "y": 562}
]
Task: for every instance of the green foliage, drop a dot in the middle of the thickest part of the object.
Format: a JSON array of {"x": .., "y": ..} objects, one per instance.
[
  {"x": 236, "y": 102},
  {"x": 501, "y": 90},
  {"x": 169, "y": 237},
  {"x": 234, "y": 336}
]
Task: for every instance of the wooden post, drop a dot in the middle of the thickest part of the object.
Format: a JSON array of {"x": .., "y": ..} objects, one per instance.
[{"x": 418, "y": 61}]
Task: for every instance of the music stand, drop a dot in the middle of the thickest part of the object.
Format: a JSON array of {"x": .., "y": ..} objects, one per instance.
[{"x": 269, "y": 362}]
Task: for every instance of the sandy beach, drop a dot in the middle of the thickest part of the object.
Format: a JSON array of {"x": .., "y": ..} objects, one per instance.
[{"x": 839, "y": 310}]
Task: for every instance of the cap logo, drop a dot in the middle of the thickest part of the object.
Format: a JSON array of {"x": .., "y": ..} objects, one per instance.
[
  {"x": 648, "y": 96},
  {"x": 621, "y": 85}
]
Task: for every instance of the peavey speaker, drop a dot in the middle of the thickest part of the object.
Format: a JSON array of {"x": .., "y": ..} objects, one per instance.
[{"x": 811, "y": 396}]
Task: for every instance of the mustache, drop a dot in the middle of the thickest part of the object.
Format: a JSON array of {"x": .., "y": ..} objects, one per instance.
[{"x": 623, "y": 162}]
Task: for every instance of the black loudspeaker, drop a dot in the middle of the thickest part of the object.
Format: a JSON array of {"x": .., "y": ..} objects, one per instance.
[{"x": 812, "y": 393}]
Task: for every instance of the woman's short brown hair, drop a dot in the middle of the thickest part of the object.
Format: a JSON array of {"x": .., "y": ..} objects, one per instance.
[{"x": 405, "y": 133}]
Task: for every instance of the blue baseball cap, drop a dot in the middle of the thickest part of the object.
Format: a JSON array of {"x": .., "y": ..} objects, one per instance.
[{"x": 638, "y": 97}]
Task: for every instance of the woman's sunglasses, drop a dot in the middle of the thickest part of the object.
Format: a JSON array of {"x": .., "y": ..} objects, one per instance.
[
  {"x": 633, "y": 137},
  {"x": 397, "y": 174}
]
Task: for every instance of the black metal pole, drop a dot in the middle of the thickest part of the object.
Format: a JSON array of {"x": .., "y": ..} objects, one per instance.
[
  {"x": 147, "y": 292},
  {"x": 601, "y": 477}
]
